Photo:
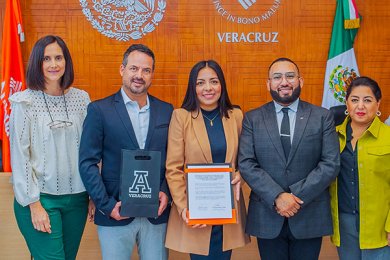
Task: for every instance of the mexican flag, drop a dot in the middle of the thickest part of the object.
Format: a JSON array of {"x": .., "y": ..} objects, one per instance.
[
  {"x": 341, "y": 67},
  {"x": 12, "y": 71}
]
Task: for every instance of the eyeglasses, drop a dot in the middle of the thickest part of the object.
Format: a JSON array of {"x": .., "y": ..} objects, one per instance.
[
  {"x": 56, "y": 124},
  {"x": 59, "y": 124},
  {"x": 289, "y": 76}
]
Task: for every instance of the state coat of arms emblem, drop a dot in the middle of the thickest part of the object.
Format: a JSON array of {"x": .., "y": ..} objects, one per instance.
[{"x": 124, "y": 19}]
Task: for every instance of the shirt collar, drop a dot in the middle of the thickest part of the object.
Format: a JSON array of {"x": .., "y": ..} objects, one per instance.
[
  {"x": 293, "y": 106},
  {"x": 126, "y": 100},
  {"x": 373, "y": 129}
]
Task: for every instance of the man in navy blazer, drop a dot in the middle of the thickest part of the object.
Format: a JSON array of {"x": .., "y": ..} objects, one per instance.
[
  {"x": 130, "y": 119},
  {"x": 288, "y": 155}
]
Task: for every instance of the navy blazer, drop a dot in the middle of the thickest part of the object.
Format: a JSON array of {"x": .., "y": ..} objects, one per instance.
[
  {"x": 107, "y": 130},
  {"x": 313, "y": 163}
]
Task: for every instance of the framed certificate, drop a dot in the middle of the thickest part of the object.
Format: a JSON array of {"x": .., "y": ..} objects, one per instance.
[{"x": 210, "y": 195}]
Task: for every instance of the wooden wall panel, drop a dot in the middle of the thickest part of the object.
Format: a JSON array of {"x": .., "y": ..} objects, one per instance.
[{"x": 188, "y": 33}]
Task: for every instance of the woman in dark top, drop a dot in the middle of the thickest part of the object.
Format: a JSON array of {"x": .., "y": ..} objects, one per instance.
[{"x": 204, "y": 130}]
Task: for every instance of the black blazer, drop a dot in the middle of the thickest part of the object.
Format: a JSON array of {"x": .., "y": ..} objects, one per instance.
[{"x": 107, "y": 130}]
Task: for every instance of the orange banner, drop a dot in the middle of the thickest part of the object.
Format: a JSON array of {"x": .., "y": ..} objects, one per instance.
[{"x": 11, "y": 70}]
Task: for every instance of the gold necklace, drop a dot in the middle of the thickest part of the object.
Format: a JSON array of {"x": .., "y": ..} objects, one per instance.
[{"x": 211, "y": 120}]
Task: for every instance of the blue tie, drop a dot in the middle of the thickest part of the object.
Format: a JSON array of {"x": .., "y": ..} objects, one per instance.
[{"x": 285, "y": 132}]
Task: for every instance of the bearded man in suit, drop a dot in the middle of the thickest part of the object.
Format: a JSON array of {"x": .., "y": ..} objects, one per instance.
[
  {"x": 288, "y": 155},
  {"x": 130, "y": 119}
]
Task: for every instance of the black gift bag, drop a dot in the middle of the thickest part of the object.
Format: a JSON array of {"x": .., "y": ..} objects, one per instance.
[{"x": 140, "y": 183}]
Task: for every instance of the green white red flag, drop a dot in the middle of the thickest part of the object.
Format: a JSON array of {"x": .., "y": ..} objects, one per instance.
[
  {"x": 341, "y": 66},
  {"x": 12, "y": 71}
]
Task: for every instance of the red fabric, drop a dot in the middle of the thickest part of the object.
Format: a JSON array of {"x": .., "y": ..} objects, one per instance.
[{"x": 11, "y": 70}]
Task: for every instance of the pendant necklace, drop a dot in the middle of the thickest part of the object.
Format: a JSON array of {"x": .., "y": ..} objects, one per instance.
[{"x": 211, "y": 120}]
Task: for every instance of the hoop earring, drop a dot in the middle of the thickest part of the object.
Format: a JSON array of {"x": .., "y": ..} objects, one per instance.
[
  {"x": 346, "y": 112},
  {"x": 378, "y": 113}
]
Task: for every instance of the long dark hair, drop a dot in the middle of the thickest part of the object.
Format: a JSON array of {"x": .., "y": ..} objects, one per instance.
[
  {"x": 191, "y": 102},
  {"x": 34, "y": 77}
]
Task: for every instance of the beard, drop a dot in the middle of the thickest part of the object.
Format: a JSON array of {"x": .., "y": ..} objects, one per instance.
[
  {"x": 141, "y": 87},
  {"x": 286, "y": 100}
]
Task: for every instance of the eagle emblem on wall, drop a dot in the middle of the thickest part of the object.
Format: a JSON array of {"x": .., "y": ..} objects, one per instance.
[{"x": 124, "y": 19}]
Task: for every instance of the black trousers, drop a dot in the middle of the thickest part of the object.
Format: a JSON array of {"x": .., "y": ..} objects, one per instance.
[{"x": 287, "y": 247}]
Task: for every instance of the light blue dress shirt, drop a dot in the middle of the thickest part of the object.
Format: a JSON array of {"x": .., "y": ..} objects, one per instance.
[
  {"x": 292, "y": 114},
  {"x": 139, "y": 118}
]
